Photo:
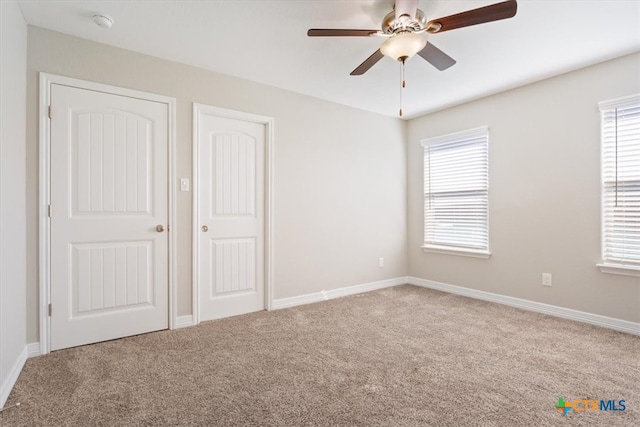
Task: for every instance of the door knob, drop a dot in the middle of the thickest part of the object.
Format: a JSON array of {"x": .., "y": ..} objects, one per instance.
[
  {"x": 205, "y": 228},
  {"x": 159, "y": 228}
]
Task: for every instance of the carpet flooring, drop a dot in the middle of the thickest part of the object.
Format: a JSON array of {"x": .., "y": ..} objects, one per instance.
[{"x": 403, "y": 356}]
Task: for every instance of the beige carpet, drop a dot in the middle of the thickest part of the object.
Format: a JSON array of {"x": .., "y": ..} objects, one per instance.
[{"x": 404, "y": 356}]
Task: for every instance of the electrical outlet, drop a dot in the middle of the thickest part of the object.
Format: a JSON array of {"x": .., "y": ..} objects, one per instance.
[
  {"x": 546, "y": 279},
  {"x": 380, "y": 262}
]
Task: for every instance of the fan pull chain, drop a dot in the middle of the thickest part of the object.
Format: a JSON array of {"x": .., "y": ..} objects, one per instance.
[
  {"x": 402, "y": 84},
  {"x": 402, "y": 74}
]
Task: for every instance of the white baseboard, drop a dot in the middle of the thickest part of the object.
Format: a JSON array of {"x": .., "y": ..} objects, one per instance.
[
  {"x": 184, "y": 321},
  {"x": 33, "y": 349},
  {"x": 552, "y": 310},
  {"x": 7, "y": 384},
  {"x": 336, "y": 293}
]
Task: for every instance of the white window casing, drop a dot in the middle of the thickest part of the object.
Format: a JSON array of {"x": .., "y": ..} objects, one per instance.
[
  {"x": 620, "y": 163},
  {"x": 456, "y": 193}
]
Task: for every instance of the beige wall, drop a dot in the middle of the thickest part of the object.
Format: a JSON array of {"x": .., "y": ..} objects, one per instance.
[
  {"x": 340, "y": 189},
  {"x": 13, "y": 268},
  {"x": 339, "y": 172},
  {"x": 544, "y": 212}
]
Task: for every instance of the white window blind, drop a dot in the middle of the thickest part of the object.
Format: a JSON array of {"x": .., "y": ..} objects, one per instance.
[
  {"x": 621, "y": 181},
  {"x": 456, "y": 191}
]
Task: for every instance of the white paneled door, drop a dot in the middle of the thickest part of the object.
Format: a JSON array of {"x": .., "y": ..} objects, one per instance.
[
  {"x": 231, "y": 200},
  {"x": 109, "y": 214}
]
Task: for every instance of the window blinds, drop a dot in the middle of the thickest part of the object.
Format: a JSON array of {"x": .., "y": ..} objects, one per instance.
[
  {"x": 621, "y": 180},
  {"x": 456, "y": 190}
]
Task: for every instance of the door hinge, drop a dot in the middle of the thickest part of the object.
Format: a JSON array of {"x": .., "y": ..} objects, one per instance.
[
  {"x": 49, "y": 111},
  {"x": 49, "y": 310},
  {"x": 50, "y": 211}
]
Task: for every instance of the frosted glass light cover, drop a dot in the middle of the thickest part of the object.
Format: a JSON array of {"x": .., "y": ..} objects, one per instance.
[{"x": 403, "y": 45}]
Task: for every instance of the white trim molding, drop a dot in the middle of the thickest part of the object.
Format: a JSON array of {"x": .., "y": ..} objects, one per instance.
[
  {"x": 46, "y": 80},
  {"x": 621, "y": 269},
  {"x": 33, "y": 350},
  {"x": 14, "y": 373},
  {"x": 450, "y": 250},
  {"x": 184, "y": 321},
  {"x": 337, "y": 293},
  {"x": 268, "y": 122},
  {"x": 552, "y": 310}
]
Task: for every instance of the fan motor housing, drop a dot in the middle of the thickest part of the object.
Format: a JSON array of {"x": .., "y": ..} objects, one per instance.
[{"x": 391, "y": 25}]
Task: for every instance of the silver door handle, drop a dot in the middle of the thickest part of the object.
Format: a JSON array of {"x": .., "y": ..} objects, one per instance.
[
  {"x": 159, "y": 228},
  {"x": 205, "y": 228}
]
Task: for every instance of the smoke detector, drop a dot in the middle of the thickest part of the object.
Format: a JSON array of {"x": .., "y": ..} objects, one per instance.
[{"x": 102, "y": 20}]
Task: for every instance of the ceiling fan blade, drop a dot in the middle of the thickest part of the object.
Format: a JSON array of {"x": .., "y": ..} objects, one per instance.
[
  {"x": 368, "y": 63},
  {"x": 494, "y": 12},
  {"x": 436, "y": 57},
  {"x": 327, "y": 32},
  {"x": 406, "y": 7}
]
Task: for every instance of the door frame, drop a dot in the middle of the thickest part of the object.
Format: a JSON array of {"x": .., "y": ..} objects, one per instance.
[
  {"x": 46, "y": 80},
  {"x": 199, "y": 109}
]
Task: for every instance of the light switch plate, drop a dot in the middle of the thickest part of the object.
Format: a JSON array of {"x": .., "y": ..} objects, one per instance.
[{"x": 184, "y": 184}]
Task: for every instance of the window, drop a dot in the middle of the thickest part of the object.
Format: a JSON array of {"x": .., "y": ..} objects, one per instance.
[
  {"x": 456, "y": 193},
  {"x": 621, "y": 185}
]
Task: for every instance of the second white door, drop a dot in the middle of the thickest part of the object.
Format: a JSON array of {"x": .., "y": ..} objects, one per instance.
[{"x": 231, "y": 227}]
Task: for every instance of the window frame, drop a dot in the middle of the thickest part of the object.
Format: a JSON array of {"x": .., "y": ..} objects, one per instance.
[
  {"x": 607, "y": 265},
  {"x": 443, "y": 248}
]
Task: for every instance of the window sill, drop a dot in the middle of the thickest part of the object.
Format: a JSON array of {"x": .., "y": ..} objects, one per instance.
[
  {"x": 448, "y": 250},
  {"x": 624, "y": 270}
]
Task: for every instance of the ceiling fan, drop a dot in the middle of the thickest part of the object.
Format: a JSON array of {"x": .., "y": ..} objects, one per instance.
[{"x": 404, "y": 25}]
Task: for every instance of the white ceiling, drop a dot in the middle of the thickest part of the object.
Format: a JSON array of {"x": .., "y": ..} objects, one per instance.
[{"x": 265, "y": 41}]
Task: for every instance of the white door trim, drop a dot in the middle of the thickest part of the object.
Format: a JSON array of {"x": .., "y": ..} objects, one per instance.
[
  {"x": 199, "y": 109},
  {"x": 46, "y": 80}
]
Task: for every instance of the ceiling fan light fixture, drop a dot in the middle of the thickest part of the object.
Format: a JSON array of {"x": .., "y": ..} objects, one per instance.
[{"x": 403, "y": 46}]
